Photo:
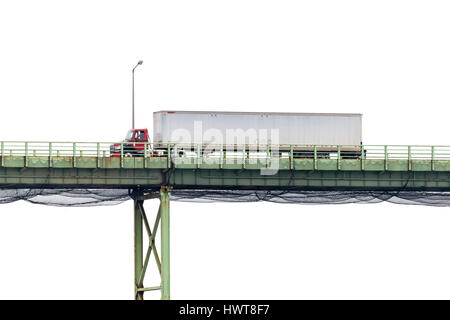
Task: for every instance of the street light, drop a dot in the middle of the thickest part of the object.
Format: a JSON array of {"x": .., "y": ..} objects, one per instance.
[{"x": 132, "y": 101}]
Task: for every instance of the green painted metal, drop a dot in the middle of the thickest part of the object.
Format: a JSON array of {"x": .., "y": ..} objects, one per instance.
[
  {"x": 339, "y": 157},
  {"x": 315, "y": 158},
  {"x": 121, "y": 155},
  {"x": 74, "y": 156},
  {"x": 140, "y": 220},
  {"x": 432, "y": 158},
  {"x": 26, "y": 154},
  {"x": 288, "y": 163},
  {"x": 165, "y": 243},
  {"x": 169, "y": 160},
  {"x": 50, "y": 155},
  {"x": 349, "y": 177},
  {"x": 199, "y": 162},
  {"x": 363, "y": 158},
  {"x": 291, "y": 157},
  {"x": 2, "y": 150},
  {"x": 138, "y": 250},
  {"x": 98, "y": 155},
  {"x": 90, "y": 164},
  {"x": 149, "y": 289},
  {"x": 222, "y": 156},
  {"x": 386, "y": 158},
  {"x": 151, "y": 245}
]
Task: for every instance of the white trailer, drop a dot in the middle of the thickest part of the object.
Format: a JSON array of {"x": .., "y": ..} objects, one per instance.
[{"x": 306, "y": 132}]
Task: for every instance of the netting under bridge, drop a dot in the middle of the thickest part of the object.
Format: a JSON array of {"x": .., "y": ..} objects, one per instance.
[{"x": 98, "y": 197}]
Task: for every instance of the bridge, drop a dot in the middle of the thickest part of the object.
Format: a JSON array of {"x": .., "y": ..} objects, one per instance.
[{"x": 161, "y": 169}]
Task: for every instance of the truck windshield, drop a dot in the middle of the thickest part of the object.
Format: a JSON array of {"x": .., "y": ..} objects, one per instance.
[{"x": 129, "y": 136}]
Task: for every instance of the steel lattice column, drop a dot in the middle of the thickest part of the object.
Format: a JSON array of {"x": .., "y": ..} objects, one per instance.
[
  {"x": 138, "y": 249},
  {"x": 141, "y": 221},
  {"x": 165, "y": 243}
]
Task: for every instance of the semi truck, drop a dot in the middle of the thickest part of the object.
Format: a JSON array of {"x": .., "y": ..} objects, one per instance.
[{"x": 307, "y": 135}]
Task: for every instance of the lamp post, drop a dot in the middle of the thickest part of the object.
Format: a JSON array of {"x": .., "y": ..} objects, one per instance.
[{"x": 132, "y": 101}]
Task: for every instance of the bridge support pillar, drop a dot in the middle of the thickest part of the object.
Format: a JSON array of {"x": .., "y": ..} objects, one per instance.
[
  {"x": 141, "y": 261},
  {"x": 165, "y": 243},
  {"x": 138, "y": 249}
]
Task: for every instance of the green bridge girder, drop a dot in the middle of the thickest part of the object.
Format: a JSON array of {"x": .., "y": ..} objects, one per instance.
[{"x": 336, "y": 174}]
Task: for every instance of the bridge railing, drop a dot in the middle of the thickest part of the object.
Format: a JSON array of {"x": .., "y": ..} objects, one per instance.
[{"x": 202, "y": 151}]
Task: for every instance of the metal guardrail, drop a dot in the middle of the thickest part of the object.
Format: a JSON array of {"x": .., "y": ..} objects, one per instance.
[{"x": 149, "y": 150}]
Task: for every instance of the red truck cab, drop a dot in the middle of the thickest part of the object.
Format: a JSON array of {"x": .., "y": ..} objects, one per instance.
[{"x": 134, "y": 144}]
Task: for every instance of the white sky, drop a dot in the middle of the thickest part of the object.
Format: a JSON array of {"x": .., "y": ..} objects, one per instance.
[{"x": 65, "y": 75}]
